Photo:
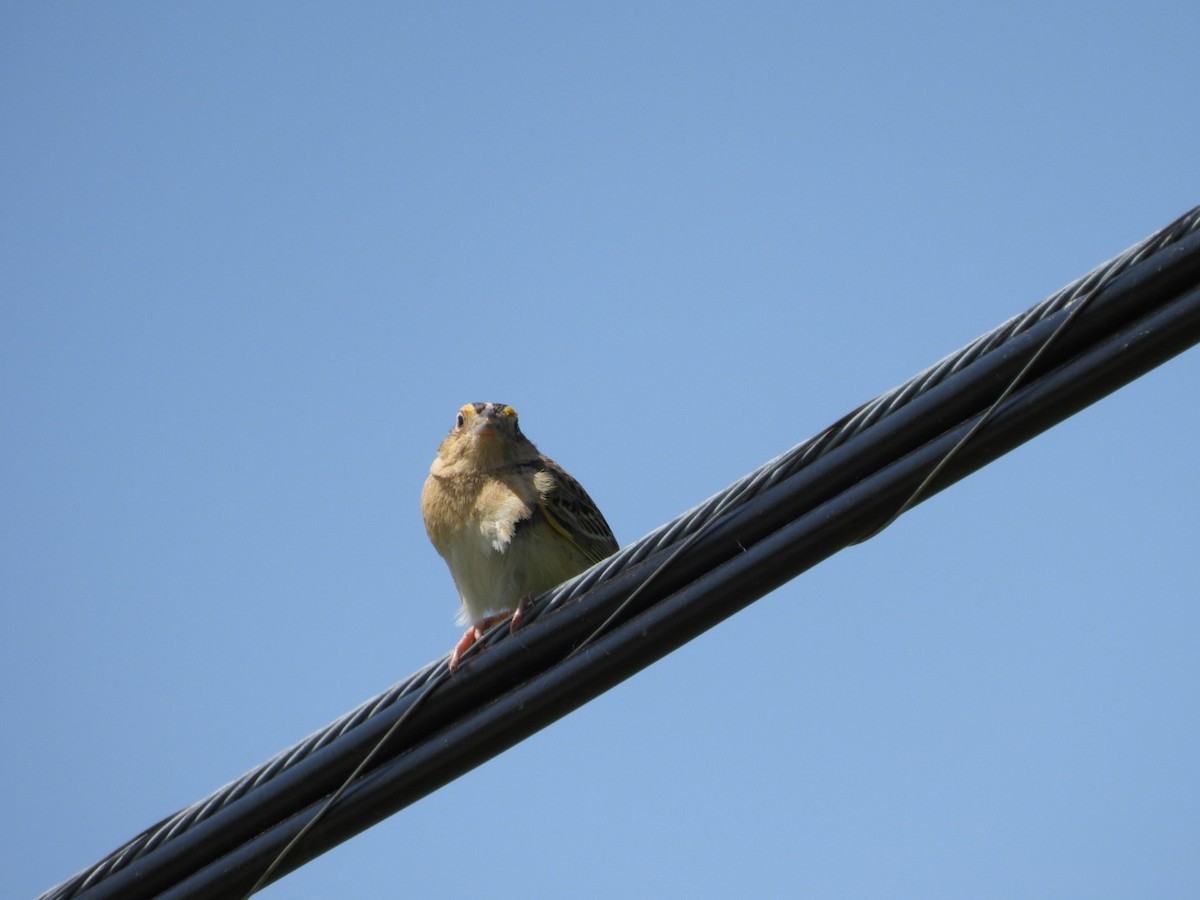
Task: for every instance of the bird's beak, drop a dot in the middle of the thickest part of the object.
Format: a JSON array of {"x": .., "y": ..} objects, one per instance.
[{"x": 486, "y": 425}]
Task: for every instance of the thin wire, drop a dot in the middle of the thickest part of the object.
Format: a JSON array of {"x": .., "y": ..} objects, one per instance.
[
  {"x": 914, "y": 497},
  {"x": 1017, "y": 379},
  {"x": 333, "y": 798},
  {"x": 624, "y": 604},
  {"x": 679, "y": 550}
]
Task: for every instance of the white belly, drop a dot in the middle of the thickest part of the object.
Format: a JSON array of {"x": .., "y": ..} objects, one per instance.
[{"x": 490, "y": 576}]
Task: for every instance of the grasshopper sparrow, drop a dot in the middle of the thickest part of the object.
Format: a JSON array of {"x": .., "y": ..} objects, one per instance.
[{"x": 509, "y": 522}]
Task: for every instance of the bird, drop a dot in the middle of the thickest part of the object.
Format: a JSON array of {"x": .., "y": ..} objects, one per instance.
[{"x": 509, "y": 522}]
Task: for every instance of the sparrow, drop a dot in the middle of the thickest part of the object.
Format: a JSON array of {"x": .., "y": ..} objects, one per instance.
[{"x": 510, "y": 522}]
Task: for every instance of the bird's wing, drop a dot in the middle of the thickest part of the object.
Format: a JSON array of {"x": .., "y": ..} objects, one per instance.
[{"x": 571, "y": 512}]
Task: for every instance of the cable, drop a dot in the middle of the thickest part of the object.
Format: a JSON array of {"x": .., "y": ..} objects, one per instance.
[
  {"x": 919, "y": 492},
  {"x": 635, "y": 643},
  {"x": 224, "y": 842},
  {"x": 333, "y": 798}
]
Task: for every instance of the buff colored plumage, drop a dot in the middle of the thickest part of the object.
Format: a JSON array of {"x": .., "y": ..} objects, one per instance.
[{"x": 509, "y": 522}]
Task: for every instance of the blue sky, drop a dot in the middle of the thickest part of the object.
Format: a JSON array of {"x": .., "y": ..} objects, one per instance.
[{"x": 254, "y": 258}]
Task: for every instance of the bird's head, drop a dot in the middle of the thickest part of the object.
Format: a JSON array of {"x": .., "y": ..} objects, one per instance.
[
  {"x": 488, "y": 420},
  {"x": 485, "y": 435}
]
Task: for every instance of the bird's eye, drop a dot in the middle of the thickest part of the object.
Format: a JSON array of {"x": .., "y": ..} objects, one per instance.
[{"x": 458, "y": 423}]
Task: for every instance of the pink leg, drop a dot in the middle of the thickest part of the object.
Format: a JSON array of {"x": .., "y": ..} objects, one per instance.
[
  {"x": 518, "y": 615},
  {"x": 470, "y": 636}
]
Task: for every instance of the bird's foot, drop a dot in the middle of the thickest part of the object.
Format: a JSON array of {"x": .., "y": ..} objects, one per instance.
[
  {"x": 518, "y": 616},
  {"x": 470, "y": 636}
]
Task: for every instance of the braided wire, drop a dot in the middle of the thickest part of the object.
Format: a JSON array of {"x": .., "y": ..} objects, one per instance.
[
  {"x": 671, "y": 534},
  {"x": 870, "y": 413}
]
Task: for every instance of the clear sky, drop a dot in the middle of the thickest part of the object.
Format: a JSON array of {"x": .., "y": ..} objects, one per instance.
[{"x": 255, "y": 256}]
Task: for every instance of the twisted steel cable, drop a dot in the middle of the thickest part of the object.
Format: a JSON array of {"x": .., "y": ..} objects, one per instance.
[{"x": 671, "y": 536}]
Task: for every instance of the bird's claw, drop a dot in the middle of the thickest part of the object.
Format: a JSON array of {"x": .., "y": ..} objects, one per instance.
[
  {"x": 518, "y": 616},
  {"x": 470, "y": 636}
]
